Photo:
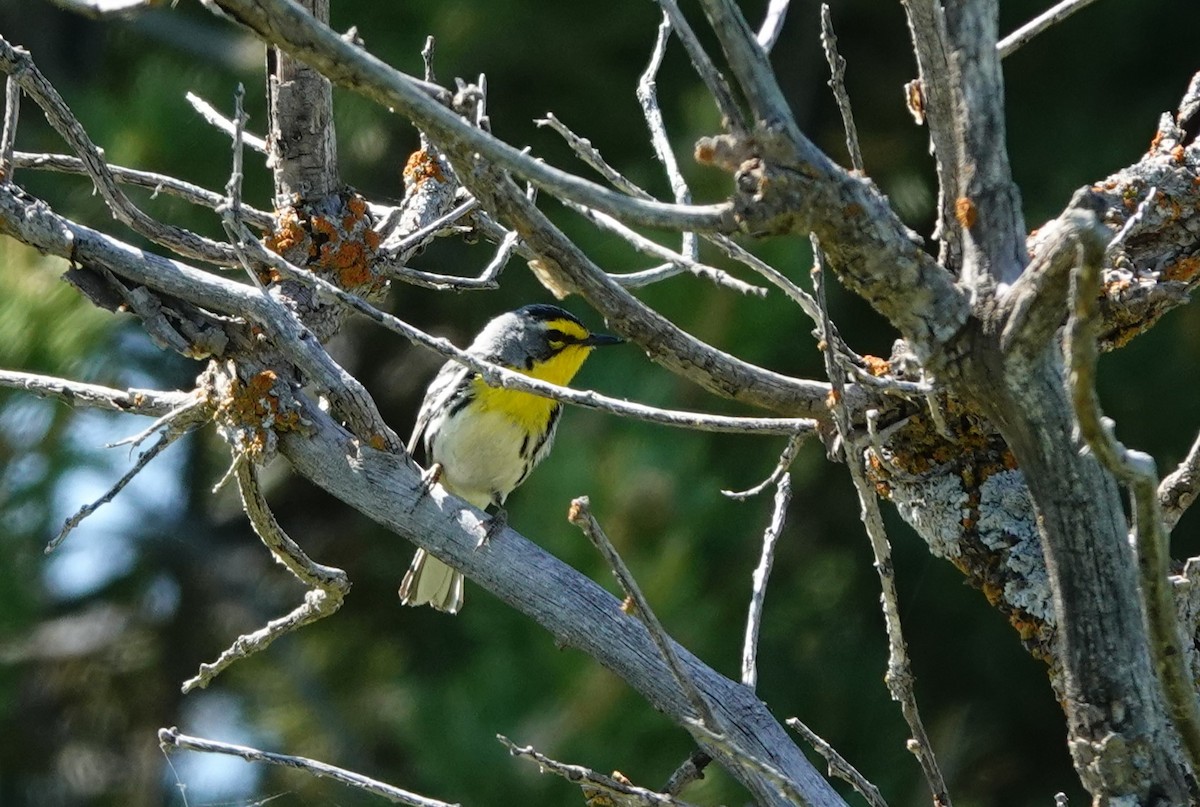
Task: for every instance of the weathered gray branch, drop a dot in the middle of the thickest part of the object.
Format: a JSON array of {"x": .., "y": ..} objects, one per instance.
[
  {"x": 285, "y": 24},
  {"x": 17, "y": 63},
  {"x": 576, "y": 611},
  {"x": 987, "y": 206},
  {"x": 173, "y": 739},
  {"x": 931, "y": 100},
  {"x": 1137, "y": 471}
]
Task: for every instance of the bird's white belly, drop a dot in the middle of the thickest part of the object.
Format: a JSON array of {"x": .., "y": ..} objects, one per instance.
[{"x": 480, "y": 456}]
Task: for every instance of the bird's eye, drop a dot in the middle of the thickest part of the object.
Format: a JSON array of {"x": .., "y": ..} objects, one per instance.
[{"x": 556, "y": 338}]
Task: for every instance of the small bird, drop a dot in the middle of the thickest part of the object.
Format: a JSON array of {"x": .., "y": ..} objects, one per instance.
[{"x": 480, "y": 441}]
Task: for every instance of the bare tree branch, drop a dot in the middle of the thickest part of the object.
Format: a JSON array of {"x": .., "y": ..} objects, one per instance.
[
  {"x": 899, "y": 677},
  {"x": 838, "y": 766},
  {"x": 987, "y": 205},
  {"x": 837, "y": 83},
  {"x": 571, "y": 607},
  {"x": 143, "y": 460},
  {"x": 17, "y": 64},
  {"x": 931, "y": 100},
  {"x": 783, "y": 496},
  {"x": 718, "y": 88},
  {"x": 618, "y": 792},
  {"x": 173, "y": 739},
  {"x": 580, "y": 514},
  {"x": 772, "y": 25},
  {"x": 215, "y": 118},
  {"x": 647, "y": 95},
  {"x": 327, "y": 586},
  {"x": 286, "y": 25},
  {"x": 1137, "y": 471},
  {"x": 8, "y": 135},
  {"x": 143, "y": 179},
  {"x": 77, "y": 393},
  {"x": 1180, "y": 488},
  {"x": 1051, "y": 16}
]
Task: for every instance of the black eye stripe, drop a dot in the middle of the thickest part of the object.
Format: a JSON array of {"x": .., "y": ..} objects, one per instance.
[{"x": 555, "y": 335}]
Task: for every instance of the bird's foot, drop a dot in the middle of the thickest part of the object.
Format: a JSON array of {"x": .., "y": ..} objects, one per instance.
[{"x": 495, "y": 525}]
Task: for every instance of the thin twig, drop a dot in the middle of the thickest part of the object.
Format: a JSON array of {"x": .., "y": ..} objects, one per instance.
[
  {"x": 931, "y": 100},
  {"x": 783, "y": 495},
  {"x": 786, "y": 458},
  {"x": 18, "y": 64},
  {"x": 1136, "y": 470},
  {"x": 595, "y": 786},
  {"x": 647, "y": 95},
  {"x": 172, "y": 739},
  {"x": 580, "y": 514},
  {"x": 838, "y": 766},
  {"x": 327, "y": 586},
  {"x": 690, "y": 770},
  {"x": 232, "y": 210},
  {"x": 674, "y": 259},
  {"x": 584, "y": 149},
  {"x": 772, "y": 26},
  {"x": 718, "y": 88},
  {"x": 194, "y": 410},
  {"x": 103, "y": 8},
  {"x": 427, "y": 58},
  {"x": 143, "y": 460},
  {"x": 837, "y": 83},
  {"x": 591, "y": 156},
  {"x": 143, "y": 179},
  {"x": 76, "y": 393},
  {"x": 437, "y": 225},
  {"x": 782, "y": 783},
  {"x": 899, "y": 675},
  {"x": 8, "y": 136},
  {"x": 1029, "y": 30},
  {"x": 212, "y": 116},
  {"x": 1180, "y": 488},
  {"x": 495, "y": 375}
]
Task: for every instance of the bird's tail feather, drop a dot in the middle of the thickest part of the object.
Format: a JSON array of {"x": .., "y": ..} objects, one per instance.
[{"x": 433, "y": 583}]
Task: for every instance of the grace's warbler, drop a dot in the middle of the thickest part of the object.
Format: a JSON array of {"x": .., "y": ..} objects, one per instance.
[{"x": 486, "y": 439}]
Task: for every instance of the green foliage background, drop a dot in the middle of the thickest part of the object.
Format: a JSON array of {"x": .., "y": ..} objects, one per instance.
[{"x": 90, "y": 671}]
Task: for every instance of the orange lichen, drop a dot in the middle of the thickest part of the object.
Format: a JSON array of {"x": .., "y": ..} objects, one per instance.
[
  {"x": 1156, "y": 141},
  {"x": 255, "y": 409},
  {"x": 349, "y": 262},
  {"x": 1183, "y": 269},
  {"x": 876, "y": 366},
  {"x": 705, "y": 152},
  {"x": 323, "y": 226},
  {"x": 422, "y": 167},
  {"x": 965, "y": 212},
  {"x": 1177, "y": 154},
  {"x": 288, "y": 233}
]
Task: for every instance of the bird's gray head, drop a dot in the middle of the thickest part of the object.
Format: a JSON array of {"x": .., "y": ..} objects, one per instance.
[{"x": 535, "y": 335}]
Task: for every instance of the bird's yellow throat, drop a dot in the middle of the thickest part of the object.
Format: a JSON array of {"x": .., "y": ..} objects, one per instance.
[{"x": 533, "y": 411}]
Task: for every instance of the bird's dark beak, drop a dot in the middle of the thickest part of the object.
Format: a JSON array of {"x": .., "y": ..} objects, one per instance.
[{"x": 599, "y": 339}]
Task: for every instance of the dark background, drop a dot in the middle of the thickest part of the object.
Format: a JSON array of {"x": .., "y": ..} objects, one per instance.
[{"x": 96, "y": 639}]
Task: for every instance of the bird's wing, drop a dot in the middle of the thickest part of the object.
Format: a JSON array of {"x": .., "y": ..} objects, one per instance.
[{"x": 450, "y": 378}]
